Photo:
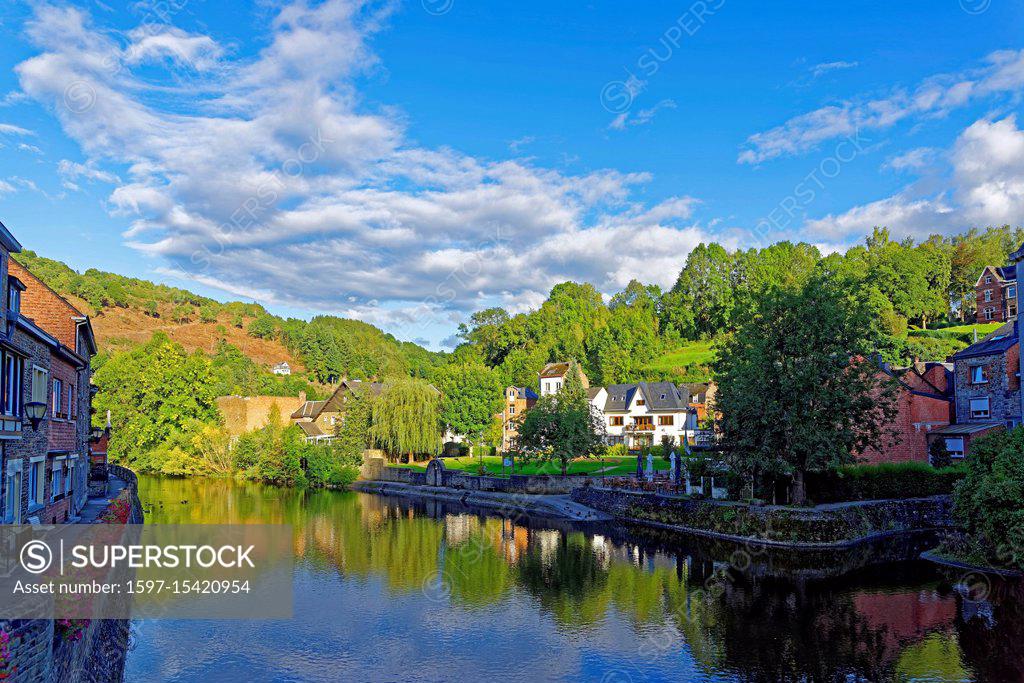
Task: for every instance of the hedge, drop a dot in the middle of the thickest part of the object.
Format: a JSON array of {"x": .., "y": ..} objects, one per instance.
[{"x": 881, "y": 482}]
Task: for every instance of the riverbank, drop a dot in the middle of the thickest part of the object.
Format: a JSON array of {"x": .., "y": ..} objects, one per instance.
[{"x": 837, "y": 525}]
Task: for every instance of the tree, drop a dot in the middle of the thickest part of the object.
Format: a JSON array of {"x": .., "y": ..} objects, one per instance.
[
  {"x": 407, "y": 417},
  {"x": 182, "y": 313},
  {"x": 471, "y": 395},
  {"x": 562, "y": 427},
  {"x": 987, "y": 502},
  {"x": 702, "y": 296},
  {"x": 796, "y": 393},
  {"x": 939, "y": 454},
  {"x": 208, "y": 313},
  {"x": 263, "y": 327}
]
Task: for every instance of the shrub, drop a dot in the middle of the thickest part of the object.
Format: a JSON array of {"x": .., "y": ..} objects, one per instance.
[
  {"x": 343, "y": 475},
  {"x": 618, "y": 450},
  {"x": 880, "y": 482},
  {"x": 988, "y": 500}
]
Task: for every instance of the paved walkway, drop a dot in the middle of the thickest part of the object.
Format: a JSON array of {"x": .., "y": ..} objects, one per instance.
[{"x": 95, "y": 506}]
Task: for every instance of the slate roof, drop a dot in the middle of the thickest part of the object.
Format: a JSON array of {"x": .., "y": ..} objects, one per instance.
[
  {"x": 309, "y": 410},
  {"x": 526, "y": 392},
  {"x": 310, "y": 429},
  {"x": 1007, "y": 272},
  {"x": 997, "y": 342},
  {"x": 592, "y": 392},
  {"x": 1018, "y": 255},
  {"x": 660, "y": 397},
  {"x": 967, "y": 428}
]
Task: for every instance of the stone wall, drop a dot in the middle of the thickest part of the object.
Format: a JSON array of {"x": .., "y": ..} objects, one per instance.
[
  {"x": 247, "y": 413},
  {"x": 517, "y": 483},
  {"x": 838, "y": 524},
  {"x": 1002, "y": 387}
]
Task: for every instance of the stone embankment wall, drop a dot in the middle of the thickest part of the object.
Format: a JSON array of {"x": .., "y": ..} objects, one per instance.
[
  {"x": 826, "y": 525},
  {"x": 517, "y": 483},
  {"x": 39, "y": 654}
]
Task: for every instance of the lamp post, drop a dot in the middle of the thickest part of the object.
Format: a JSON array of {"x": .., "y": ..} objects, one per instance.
[{"x": 35, "y": 411}]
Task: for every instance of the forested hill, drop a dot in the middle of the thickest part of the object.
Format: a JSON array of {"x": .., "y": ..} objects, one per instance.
[{"x": 127, "y": 312}]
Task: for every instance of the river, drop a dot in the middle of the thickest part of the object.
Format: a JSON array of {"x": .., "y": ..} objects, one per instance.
[{"x": 389, "y": 589}]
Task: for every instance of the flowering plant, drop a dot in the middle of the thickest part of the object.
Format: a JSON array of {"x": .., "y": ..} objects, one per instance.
[
  {"x": 6, "y": 670},
  {"x": 118, "y": 511},
  {"x": 71, "y": 629}
]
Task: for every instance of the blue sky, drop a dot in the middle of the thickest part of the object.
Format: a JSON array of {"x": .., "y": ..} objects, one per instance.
[{"x": 408, "y": 163}]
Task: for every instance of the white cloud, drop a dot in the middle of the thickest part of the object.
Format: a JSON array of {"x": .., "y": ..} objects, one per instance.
[
  {"x": 275, "y": 182},
  {"x": 642, "y": 117},
  {"x": 32, "y": 149},
  {"x": 11, "y": 129},
  {"x": 986, "y": 188},
  {"x": 1002, "y": 73},
  {"x": 819, "y": 70},
  {"x": 914, "y": 159}
]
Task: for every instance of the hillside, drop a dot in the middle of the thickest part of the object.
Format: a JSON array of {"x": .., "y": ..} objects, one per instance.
[{"x": 127, "y": 312}]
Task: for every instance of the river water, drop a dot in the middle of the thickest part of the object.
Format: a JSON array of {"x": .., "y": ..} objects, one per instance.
[{"x": 388, "y": 589}]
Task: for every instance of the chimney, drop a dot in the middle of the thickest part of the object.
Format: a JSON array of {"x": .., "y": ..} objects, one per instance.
[{"x": 107, "y": 429}]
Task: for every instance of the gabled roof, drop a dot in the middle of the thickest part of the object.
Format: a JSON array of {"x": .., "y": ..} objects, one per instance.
[
  {"x": 1000, "y": 341},
  {"x": 310, "y": 410},
  {"x": 552, "y": 370},
  {"x": 1004, "y": 273},
  {"x": 660, "y": 397},
  {"x": 8, "y": 241},
  {"x": 593, "y": 392},
  {"x": 311, "y": 429}
]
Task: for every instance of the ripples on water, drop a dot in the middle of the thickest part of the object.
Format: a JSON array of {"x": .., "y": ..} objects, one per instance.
[{"x": 389, "y": 589}]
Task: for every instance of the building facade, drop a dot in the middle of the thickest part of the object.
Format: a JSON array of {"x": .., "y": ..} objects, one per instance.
[
  {"x": 647, "y": 414},
  {"x": 45, "y": 350},
  {"x": 996, "y": 292},
  {"x": 552, "y": 378},
  {"x": 924, "y": 404},
  {"x": 518, "y": 400}
]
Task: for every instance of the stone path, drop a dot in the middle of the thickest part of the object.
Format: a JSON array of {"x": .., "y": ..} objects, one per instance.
[{"x": 95, "y": 506}]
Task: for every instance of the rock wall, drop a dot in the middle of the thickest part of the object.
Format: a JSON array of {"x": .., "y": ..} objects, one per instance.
[
  {"x": 517, "y": 483},
  {"x": 838, "y": 524}
]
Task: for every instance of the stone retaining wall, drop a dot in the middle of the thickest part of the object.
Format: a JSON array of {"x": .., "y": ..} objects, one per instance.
[
  {"x": 517, "y": 483},
  {"x": 836, "y": 525}
]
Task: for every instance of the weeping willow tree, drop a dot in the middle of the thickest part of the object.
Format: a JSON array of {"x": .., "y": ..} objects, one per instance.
[{"x": 407, "y": 418}]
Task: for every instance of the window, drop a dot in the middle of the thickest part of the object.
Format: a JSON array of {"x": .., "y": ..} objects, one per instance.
[
  {"x": 978, "y": 374},
  {"x": 955, "y": 446},
  {"x": 13, "y": 299},
  {"x": 644, "y": 421},
  {"x": 56, "y": 483},
  {"x": 979, "y": 408},
  {"x": 663, "y": 397},
  {"x": 988, "y": 279},
  {"x": 12, "y": 497},
  {"x": 1011, "y": 292},
  {"x": 666, "y": 420},
  {"x": 12, "y": 384},
  {"x": 558, "y": 386},
  {"x": 37, "y": 481},
  {"x": 988, "y": 313},
  {"x": 988, "y": 295},
  {"x": 641, "y": 402},
  {"x": 58, "y": 399},
  {"x": 615, "y": 420}
]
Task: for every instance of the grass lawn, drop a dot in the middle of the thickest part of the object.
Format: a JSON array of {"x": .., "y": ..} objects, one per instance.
[
  {"x": 983, "y": 328},
  {"x": 687, "y": 356},
  {"x": 610, "y": 466}
]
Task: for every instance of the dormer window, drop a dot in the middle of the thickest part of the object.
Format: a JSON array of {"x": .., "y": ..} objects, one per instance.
[
  {"x": 14, "y": 290},
  {"x": 988, "y": 279}
]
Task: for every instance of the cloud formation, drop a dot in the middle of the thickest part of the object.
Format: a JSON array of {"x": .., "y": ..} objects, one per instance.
[
  {"x": 1002, "y": 73},
  {"x": 266, "y": 177}
]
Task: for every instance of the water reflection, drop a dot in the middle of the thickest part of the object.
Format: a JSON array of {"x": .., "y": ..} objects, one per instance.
[{"x": 471, "y": 596}]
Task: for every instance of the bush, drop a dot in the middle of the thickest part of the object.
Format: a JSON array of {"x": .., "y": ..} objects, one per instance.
[
  {"x": 618, "y": 450},
  {"x": 988, "y": 502},
  {"x": 343, "y": 475},
  {"x": 880, "y": 482}
]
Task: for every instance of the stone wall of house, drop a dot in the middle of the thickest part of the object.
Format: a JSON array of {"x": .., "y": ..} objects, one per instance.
[
  {"x": 246, "y": 413},
  {"x": 1002, "y": 388}
]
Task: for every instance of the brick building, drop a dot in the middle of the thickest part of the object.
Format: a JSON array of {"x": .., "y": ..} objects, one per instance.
[
  {"x": 924, "y": 403},
  {"x": 45, "y": 352},
  {"x": 996, "y": 291}
]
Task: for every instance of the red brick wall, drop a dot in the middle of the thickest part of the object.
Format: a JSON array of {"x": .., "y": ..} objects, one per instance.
[
  {"x": 63, "y": 431},
  {"x": 47, "y": 308},
  {"x": 904, "y": 440}
]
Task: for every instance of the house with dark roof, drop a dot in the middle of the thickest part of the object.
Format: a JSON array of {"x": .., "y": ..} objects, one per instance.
[
  {"x": 986, "y": 378},
  {"x": 996, "y": 292},
  {"x": 647, "y": 413}
]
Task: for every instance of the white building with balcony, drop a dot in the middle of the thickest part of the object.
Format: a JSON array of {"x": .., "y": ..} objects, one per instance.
[{"x": 644, "y": 414}]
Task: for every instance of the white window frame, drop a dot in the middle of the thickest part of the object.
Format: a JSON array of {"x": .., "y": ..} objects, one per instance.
[
  {"x": 957, "y": 453},
  {"x": 988, "y": 295},
  {"x": 37, "y": 481},
  {"x": 58, "y": 397},
  {"x": 13, "y": 368},
  {"x": 978, "y": 375}
]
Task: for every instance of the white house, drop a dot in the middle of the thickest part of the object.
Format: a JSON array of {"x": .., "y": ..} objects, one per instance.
[
  {"x": 643, "y": 414},
  {"x": 552, "y": 378},
  {"x": 282, "y": 369}
]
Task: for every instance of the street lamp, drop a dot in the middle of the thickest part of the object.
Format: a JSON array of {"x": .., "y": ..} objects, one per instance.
[{"x": 35, "y": 411}]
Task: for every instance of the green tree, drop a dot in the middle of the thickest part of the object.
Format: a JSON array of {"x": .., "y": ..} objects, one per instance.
[
  {"x": 182, "y": 313},
  {"x": 988, "y": 500},
  {"x": 796, "y": 393},
  {"x": 263, "y": 327},
  {"x": 471, "y": 395},
  {"x": 407, "y": 418},
  {"x": 562, "y": 427},
  {"x": 208, "y": 313},
  {"x": 354, "y": 434},
  {"x": 701, "y": 301}
]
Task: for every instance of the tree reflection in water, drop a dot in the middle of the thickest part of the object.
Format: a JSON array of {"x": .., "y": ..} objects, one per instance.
[{"x": 896, "y": 622}]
